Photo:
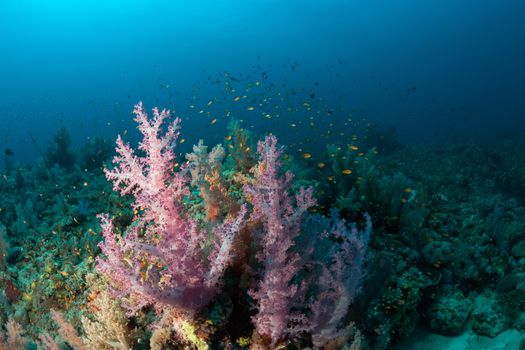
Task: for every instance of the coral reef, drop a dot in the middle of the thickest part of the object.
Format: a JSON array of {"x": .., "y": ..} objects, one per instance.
[
  {"x": 245, "y": 245},
  {"x": 4, "y": 247}
]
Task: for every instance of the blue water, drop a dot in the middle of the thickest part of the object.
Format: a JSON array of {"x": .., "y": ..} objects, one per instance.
[{"x": 432, "y": 68}]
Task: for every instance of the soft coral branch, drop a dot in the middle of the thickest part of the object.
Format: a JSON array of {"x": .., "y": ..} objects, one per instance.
[
  {"x": 340, "y": 281},
  {"x": 280, "y": 298},
  {"x": 160, "y": 260},
  {"x": 273, "y": 206},
  {"x": 157, "y": 189}
]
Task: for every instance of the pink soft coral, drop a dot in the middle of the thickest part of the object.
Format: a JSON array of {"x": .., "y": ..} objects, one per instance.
[
  {"x": 160, "y": 260},
  {"x": 273, "y": 206},
  {"x": 283, "y": 310}
]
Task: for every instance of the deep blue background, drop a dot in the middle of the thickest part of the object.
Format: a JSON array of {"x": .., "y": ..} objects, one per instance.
[{"x": 85, "y": 63}]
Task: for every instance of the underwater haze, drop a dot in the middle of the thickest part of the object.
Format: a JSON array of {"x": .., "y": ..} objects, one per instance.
[
  {"x": 338, "y": 174},
  {"x": 432, "y": 68}
]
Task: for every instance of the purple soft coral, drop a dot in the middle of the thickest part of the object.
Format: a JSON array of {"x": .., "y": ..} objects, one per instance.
[
  {"x": 160, "y": 261},
  {"x": 339, "y": 283}
]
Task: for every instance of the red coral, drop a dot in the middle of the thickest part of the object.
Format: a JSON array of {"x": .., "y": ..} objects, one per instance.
[{"x": 11, "y": 292}]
